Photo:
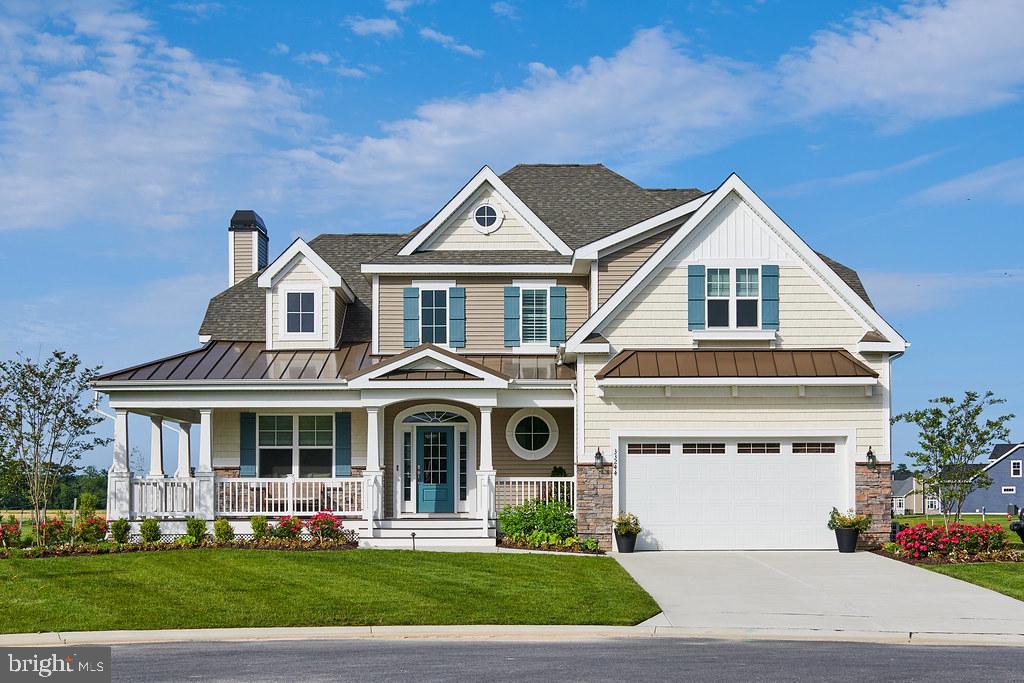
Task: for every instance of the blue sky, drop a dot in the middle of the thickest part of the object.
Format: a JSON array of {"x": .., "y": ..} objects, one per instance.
[{"x": 887, "y": 134}]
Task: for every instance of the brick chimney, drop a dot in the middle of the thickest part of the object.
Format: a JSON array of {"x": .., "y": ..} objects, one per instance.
[{"x": 247, "y": 245}]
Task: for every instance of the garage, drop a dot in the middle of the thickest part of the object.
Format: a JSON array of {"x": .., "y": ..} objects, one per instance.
[{"x": 749, "y": 493}]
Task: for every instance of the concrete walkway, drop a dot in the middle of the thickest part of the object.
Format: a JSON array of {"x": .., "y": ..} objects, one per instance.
[{"x": 827, "y": 591}]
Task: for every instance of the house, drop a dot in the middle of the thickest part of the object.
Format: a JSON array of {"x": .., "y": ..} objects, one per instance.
[
  {"x": 908, "y": 497},
  {"x": 679, "y": 354},
  {"x": 1005, "y": 467}
]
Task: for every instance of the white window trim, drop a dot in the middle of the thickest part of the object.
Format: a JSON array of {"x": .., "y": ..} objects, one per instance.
[
  {"x": 295, "y": 441},
  {"x": 1009, "y": 490},
  {"x": 318, "y": 315},
  {"x": 931, "y": 503},
  {"x": 535, "y": 347},
  {"x": 435, "y": 286},
  {"x": 733, "y": 298},
  {"x": 510, "y": 434},
  {"x": 1019, "y": 466},
  {"x": 487, "y": 230}
]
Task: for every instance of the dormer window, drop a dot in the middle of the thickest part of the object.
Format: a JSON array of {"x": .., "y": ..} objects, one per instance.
[{"x": 301, "y": 313}]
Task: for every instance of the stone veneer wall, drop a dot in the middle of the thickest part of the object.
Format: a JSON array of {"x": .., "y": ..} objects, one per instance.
[
  {"x": 874, "y": 491},
  {"x": 594, "y": 504}
]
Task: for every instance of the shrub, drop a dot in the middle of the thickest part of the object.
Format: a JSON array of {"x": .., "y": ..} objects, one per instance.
[
  {"x": 324, "y": 525},
  {"x": 550, "y": 518},
  {"x": 892, "y": 548},
  {"x": 119, "y": 529},
  {"x": 87, "y": 505},
  {"x": 626, "y": 524},
  {"x": 222, "y": 531},
  {"x": 10, "y": 532},
  {"x": 53, "y": 530},
  {"x": 962, "y": 540},
  {"x": 195, "y": 531},
  {"x": 558, "y": 471},
  {"x": 260, "y": 528},
  {"x": 150, "y": 530},
  {"x": 287, "y": 527},
  {"x": 91, "y": 529},
  {"x": 849, "y": 520}
]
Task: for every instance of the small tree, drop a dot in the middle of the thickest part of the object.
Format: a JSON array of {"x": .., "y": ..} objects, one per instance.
[
  {"x": 45, "y": 426},
  {"x": 952, "y": 437}
]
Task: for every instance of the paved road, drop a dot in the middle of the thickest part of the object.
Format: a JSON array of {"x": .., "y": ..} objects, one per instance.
[
  {"x": 611, "y": 660},
  {"x": 816, "y": 590}
]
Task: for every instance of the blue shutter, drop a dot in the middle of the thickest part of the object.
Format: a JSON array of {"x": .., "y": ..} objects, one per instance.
[
  {"x": 343, "y": 444},
  {"x": 457, "y": 317},
  {"x": 511, "y": 316},
  {"x": 557, "y": 296},
  {"x": 247, "y": 444},
  {"x": 695, "y": 292},
  {"x": 411, "y": 317},
  {"x": 769, "y": 297}
]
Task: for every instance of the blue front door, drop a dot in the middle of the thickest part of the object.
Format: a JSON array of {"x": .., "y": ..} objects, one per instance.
[{"x": 435, "y": 483}]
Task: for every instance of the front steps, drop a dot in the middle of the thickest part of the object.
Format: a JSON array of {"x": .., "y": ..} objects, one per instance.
[{"x": 430, "y": 532}]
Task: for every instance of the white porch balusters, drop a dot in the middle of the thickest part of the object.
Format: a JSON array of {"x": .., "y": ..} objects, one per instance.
[
  {"x": 119, "y": 484},
  {"x": 156, "y": 447},
  {"x": 485, "y": 473},
  {"x": 204, "y": 489},
  {"x": 373, "y": 481}
]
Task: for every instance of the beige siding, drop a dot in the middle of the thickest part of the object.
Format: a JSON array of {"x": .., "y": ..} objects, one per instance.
[
  {"x": 339, "y": 316},
  {"x": 242, "y": 246},
  {"x": 301, "y": 274},
  {"x": 810, "y": 316},
  {"x": 714, "y": 408},
  {"x": 617, "y": 267},
  {"x": 485, "y": 301},
  {"x": 459, "y": 233},
  {"x": 508, "y": 464}
]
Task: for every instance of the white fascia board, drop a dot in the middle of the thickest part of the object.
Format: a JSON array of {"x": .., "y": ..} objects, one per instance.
[
  {"x": 592, "y": 347},
  {"x": 881, "y": 347},
  {"x": 736, "y": 381},
  {"x": 734, "y": 334},
  {"x": 222, "y": 385},
  {"x": 432, "y": 268},
  {"x": 205, "y": 338},
  {"x": 593, "y": 250},
  {"x": 1000, "y": 458},
  {"x": 486, "y": 175},
  {"x": 268, "y": 278}
]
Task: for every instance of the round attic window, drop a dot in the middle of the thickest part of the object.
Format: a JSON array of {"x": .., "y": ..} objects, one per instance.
[{"x": 487, "y": 217}]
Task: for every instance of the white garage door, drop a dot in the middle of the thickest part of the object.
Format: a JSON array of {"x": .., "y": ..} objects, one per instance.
[{"x": 731, "y": 494}]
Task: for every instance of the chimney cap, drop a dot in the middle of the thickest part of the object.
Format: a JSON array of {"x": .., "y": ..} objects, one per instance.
[{"x": 247, "y": 219}]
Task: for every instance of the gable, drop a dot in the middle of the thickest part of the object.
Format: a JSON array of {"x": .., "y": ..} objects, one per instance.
[{"x": 460, "y": 233}]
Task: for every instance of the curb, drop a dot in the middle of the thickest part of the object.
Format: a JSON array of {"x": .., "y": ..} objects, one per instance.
[{"x": 525, "y": 633}]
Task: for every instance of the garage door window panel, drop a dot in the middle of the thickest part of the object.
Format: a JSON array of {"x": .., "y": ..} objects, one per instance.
[
  {"x": 649, "y": 449},
  {"x": 703, "y": 449},
  {"x": 759, "y": 448},
  {"x": 813, "y": 448}
]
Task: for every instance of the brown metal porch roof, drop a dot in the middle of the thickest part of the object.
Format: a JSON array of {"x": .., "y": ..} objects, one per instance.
[{"x": 734, "y": 363}]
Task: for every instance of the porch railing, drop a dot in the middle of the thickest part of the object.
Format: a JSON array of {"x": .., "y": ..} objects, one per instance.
[
  {"x": 162, "y": 497},
  {"x": 244, "y": 497},
  {"x": 518, "y": 490}
]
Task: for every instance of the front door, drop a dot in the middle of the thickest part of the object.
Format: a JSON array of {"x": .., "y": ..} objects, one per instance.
[{"x": 435, "y": 485}]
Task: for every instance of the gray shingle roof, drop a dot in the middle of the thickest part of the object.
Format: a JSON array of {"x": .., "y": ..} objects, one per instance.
[
  {"x": 902, "y": 487},
  {"x": 500, "y": 258},
  {"x": 849, "y": 276}
]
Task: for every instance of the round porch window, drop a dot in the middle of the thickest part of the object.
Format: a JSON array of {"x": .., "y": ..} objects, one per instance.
[{"x": 531, "y": 434}]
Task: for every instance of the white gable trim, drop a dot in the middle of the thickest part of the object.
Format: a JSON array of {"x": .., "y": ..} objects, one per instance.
[
  {"x": 817, "y": 266},
  {"x": 486, "y": 175},
  {"x": 1001, "y": 458},
  {"x": 272, "y": 274},
  {"x": 593, "y": 250},
  {"x": 416, "y": 361}
]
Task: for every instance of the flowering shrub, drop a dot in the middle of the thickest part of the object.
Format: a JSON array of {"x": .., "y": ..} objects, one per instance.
[
  {"x": 923, "y": 540},
  {"x": 10, "y": 532},
  {"x": 287, "y": 527},
  {"x": 324, "y": 525},
  {"x": 92, "y": 529},
  {"x": 52, "y": 530}
]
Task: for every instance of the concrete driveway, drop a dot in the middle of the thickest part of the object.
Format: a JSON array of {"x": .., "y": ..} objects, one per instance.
[{"x": 817, "y": 590}]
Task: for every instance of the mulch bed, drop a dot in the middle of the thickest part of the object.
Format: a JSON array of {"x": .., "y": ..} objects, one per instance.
[
  {"x": 503, "y": 543},
  {"x": 938, "y": 560},
  {"x": 118, "y": 548}
]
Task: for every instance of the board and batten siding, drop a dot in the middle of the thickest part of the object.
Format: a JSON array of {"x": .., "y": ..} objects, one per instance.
[
  {"x": 243, "y": 242},
  {"x": 615, "y": 268},
  {"x": 301, "y": 274},
  {"x": 484, "y": 310},
  {"x": 459, "y": 233}
]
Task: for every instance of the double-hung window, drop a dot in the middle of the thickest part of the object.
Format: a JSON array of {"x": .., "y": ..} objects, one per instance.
[
  {"x": 1015, "y": 468},
  {"x": 434, "y": 316},
  {"x": 733, "y": 297},
  {"x": 300, "y": 314},
  {"x": 300, "y": 445},
  {"x": 535, "y": 316}
]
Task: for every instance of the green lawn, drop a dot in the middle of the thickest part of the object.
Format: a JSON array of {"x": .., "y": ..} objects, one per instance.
[
  {"x": 1002, "y": 577},
  {"x": 936, "y": 520},
  {"x": 209, "y": 588}
]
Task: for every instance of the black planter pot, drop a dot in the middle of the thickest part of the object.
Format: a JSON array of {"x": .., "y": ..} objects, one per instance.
[
  {"x": 626, "y": 543},
  {"x": 847, "y": 539}
]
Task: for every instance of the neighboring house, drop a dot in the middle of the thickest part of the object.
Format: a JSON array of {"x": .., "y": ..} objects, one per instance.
[
  {"x": 901, "y": 489},
  {"x": 1006, "y": 468},
  {"x": 908, "y": 498},
  {"x": 682, "y": 355}
]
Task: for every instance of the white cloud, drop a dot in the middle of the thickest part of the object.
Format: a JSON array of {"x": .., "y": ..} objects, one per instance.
[
  {"x": 450, "y": 42},
  {"x": 1003, "y": 182},
  {"x": 280, "y": 49},
  {"x": 911, "y": 293},
  {"x": 315, "y": 57},
  {"x": 383, "y": 26},
  {"x": 505, "y": 9},
  {"x": 400, "y": 6},
  {"x": 855, "y": 178},
  {"x": 925, "y": 60}
]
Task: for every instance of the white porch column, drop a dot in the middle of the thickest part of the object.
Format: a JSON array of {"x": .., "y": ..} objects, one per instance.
[
  {"x": 156, "y": 447},
  {"x": 485, "y": 474},
  {"x": 373, "y": 481},
  {"x": 119, "y": 479},
  {"x": 184, "y": 450},
  {"x": 204, "y": 506}
]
